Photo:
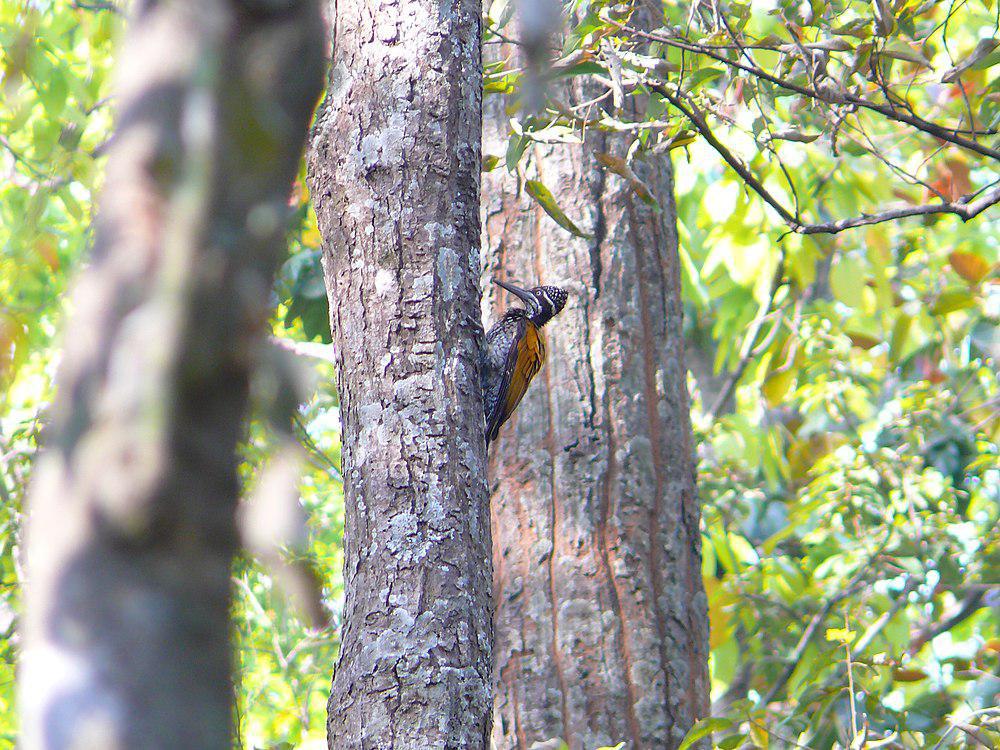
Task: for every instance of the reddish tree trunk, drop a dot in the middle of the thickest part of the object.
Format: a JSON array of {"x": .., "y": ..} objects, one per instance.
[{"x": 601, "y": 623}]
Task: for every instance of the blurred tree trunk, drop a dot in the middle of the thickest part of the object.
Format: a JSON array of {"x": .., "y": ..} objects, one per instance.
[
  {"x": 131, "y": 528},
  {"x": 601, "y": 623},
  {"x": 394, "y": 173}
]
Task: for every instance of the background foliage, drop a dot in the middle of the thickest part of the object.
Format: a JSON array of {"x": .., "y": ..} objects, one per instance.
[{"x": 845, "y": 385}]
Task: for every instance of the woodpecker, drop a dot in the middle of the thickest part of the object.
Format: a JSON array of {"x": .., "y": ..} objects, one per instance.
[{"x": 515, "y": 351}]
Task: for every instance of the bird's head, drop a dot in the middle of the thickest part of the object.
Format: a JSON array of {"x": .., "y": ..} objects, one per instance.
[{"x": 543, "y": 302}]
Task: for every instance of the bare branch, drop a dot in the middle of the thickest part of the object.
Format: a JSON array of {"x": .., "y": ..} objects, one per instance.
[
  {"x": 701, "y": 125},
  {"x": 857, "y": 580},
  {"x": 969, "y": 606},
  {"x": 964, "y": 208},
  {"x": 310, "y": 349},
  {"x": 887, "y": 111},
  {"x": 901, "y": 600},
  {"x": 806, "y": 638}
]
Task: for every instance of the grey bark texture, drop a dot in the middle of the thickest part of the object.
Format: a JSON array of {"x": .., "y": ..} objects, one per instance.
[
  {"x": 131, "y": 527},
  {"x": 394, "y": 172},
  {"x": 601, "y": 621}
]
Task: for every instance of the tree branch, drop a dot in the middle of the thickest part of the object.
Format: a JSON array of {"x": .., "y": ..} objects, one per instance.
[
  {"x": 806, "y": 638},
  {"x": 818, "y": 619},
  {"x": 969, "y": 606},
  {"x": 967, "y": 207},
  {"x": 845, "y": 97},
  {"x": 310, "y": 349},
  {"x": 701, "y": 125}
]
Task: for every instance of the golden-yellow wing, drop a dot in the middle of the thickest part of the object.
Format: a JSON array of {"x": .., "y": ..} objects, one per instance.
[{"x": 530, "y": 353}]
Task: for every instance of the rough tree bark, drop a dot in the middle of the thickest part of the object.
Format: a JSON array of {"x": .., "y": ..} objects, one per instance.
[
  {"x": 131, "y": 518},
  {"x": 601, "y": 623},
  {"x": 394, "y": 173}
]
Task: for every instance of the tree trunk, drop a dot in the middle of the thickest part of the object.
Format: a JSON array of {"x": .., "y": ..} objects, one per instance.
[
  {"x": 601, "y": 623},
  {"x": 131, "y": 527},
  {"x": 394, "y": 172}
]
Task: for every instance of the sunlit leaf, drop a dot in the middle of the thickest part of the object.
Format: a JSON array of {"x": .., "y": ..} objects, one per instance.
[
  {"x": 978, "y": 55},
  {"x": 951, "y": 300},
  {"x": 703, "y": 728},
  {"x": 547, "y": 201}
]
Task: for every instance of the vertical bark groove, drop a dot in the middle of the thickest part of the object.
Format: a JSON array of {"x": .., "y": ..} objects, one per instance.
[
  {"x": 612, "y": 583},
  {"x": 554, "y": 542},
  {"x": 394, "y": 170}
]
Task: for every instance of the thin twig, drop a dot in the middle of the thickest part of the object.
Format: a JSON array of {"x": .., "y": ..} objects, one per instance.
[
  {"x": 806, "y": 638},
  {"x": 701, "y": 125},
  {"x": 969, "y": 606},
  {"x": 850, "y": 688},
  {"x": 752, "y": 335},
  {"x": 885, "y": 618},
  {"x": 954, "y": 724},
  {"x": 872, "y": 149},
  {"x": 965, "y": 207},
  {"x": 887, "y": 111},
  {"x": 819, "y": 618},
  {"x": 98, "y": 5},
  {"x": 757, "y": 100},
  {"x": 306, "y": 439},
  {"x": 310, "y": 349}
]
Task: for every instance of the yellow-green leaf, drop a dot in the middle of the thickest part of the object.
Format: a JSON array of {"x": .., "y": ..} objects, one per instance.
[
  {"x": 841, "y": 635},
  {"x": 900, "y": 334},
  {"x": 702, "y": 728},
  {"x": 543, "y": 196},
  {"x": 621, "y": 168},
  {"x": 777, "y": 385},
  {"x": 847, "y": 280},
  {"x": 951, "y": 300}
]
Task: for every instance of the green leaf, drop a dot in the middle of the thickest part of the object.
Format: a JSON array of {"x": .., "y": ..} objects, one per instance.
[
  {"x": 53, "y": 95},
  {"x": 516, "y": 145},
  {"x": 586, "y": 68},
  {"x": 620, "y": 167},
  {"x": 732, "y": 741},
  {"x": 983, "y": 50},
  {"x": 847, "y": 280},
  {"x": 72, "y": 205},
  {"x": 702, "y": 728},
  {"x": 900, "y": 335},
  {"x": 703, "y": 76},
  {"x": 951, "y": 300},
  {"x": 900, "y": 50},
  {"x": 547, "y": 201}
]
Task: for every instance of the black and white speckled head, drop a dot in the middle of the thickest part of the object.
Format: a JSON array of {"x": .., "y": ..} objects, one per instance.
[{"x": 543, "y": 302}]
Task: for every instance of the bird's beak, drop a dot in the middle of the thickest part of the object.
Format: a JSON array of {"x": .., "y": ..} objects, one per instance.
[{"x": 526, "y": 296}]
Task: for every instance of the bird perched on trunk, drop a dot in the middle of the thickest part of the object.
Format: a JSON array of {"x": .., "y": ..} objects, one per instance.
[{"x": 515, "y": 351}]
